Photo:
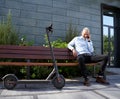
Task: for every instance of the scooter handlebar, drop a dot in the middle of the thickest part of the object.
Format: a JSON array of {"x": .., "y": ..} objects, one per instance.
[{"x": 49, "y": 28}]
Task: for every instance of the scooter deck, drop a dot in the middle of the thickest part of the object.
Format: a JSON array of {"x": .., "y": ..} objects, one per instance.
[{"x": 33, "y": 81}]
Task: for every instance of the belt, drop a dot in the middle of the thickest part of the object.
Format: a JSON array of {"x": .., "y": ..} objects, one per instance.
[{"x": 85, "y": 54}]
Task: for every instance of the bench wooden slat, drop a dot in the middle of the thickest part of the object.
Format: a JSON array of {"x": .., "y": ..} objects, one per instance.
[
  {"x": 7, "y": 51},
  {"x": 12, "y": 47},
  {"x": 34, "y": 56},
  {"x": 41, "y": 64},
  {"x": 33, "y": 52}
]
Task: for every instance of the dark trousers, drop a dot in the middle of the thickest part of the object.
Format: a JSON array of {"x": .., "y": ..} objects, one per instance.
[{"x": 82, "y": 59}]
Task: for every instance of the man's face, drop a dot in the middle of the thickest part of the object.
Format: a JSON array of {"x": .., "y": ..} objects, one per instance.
[{"x": 85, "y": 34}]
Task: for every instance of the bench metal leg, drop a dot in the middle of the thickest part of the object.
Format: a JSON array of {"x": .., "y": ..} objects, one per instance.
[
  {"x": 94, "y": 71},
  {"x": 28, "y": 70}
]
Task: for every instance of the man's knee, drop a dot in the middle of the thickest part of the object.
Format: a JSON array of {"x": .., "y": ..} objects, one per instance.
[{"x": 81, "y": 58}]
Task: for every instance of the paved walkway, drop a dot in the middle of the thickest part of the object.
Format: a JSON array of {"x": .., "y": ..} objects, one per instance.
[{"x": 73, "y": 89}]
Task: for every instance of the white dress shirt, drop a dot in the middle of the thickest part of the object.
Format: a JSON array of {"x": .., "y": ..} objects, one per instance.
[{"x": 81, "y": 45}]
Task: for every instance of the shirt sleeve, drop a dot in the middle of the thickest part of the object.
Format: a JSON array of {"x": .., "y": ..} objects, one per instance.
[
  {"x": 90, "y": 46},
  {"x": 71, "y": 44}
]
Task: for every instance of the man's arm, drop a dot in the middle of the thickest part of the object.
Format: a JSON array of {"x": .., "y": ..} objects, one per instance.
[{"x": 71, "y": 47}]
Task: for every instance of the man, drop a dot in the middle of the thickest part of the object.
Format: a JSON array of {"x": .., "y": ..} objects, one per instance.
[{"x": 82, "y": 48}]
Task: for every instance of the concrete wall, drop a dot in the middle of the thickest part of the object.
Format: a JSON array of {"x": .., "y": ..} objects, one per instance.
[{"x": 30, "y": 17}]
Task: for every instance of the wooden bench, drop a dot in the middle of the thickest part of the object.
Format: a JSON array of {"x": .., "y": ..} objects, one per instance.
[{"x": 26, "y": 54}]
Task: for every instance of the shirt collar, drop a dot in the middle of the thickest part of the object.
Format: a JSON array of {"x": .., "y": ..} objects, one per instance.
[{"x": 82, "y": 37}]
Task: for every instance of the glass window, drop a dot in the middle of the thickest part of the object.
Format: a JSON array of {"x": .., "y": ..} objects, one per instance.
[
  {"x": 108, "y": 37},
  {"x": 108, "y": 20}
]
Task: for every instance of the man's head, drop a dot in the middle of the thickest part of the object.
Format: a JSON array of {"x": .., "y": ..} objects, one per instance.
[{"x": 85, "y": 32}]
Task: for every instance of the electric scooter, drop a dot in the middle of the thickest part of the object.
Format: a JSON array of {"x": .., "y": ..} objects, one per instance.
[{"x": 58, "y": 80}]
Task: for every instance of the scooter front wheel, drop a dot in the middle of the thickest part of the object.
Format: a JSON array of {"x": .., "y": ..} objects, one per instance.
[{"x": 58, "y": 81}]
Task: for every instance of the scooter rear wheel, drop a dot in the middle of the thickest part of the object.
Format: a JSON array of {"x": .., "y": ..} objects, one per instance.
[
  {"x": 58, "y": 81},
  {"x": 10, "y": 82}
]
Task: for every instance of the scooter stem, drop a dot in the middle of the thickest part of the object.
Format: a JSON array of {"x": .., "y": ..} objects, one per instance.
[{"x": 52, "y": 54}]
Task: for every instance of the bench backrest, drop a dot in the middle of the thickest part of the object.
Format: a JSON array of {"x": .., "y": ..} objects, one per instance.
[{"x": 33, "y": 52}]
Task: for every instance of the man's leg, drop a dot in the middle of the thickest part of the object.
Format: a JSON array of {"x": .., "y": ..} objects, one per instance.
[
  {"x": 83, "y": 69},
  {"x": 104, "y": 60}
]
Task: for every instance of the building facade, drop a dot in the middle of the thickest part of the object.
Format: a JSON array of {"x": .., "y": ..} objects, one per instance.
[{"x": 30, "y": 17}]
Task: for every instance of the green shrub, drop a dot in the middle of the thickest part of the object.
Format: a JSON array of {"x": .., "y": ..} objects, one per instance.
[
  {"x": 40, "y": 72},
  {"x": 71, "y": 33},
  {"x": 59, "y": 43},
  {"x": 24, "y": 42},
  {"x": 8, "y": 35}
]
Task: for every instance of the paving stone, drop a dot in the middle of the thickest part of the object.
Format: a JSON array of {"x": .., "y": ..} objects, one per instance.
[
  {"x": 73, "y": 89},
  {"x": 73, "y": 95},
  {"x": 17, "y": 97},
  {"x": 110, "y": 93}
]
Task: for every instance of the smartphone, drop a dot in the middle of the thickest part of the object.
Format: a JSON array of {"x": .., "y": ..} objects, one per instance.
[{"x": 88, "y": 37}]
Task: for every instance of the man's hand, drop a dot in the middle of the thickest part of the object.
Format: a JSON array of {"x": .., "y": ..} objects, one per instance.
[{"x": 74, "y": 53}]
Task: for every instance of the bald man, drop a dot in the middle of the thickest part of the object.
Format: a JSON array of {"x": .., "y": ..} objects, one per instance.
[{"x": 82, "y": 48}]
